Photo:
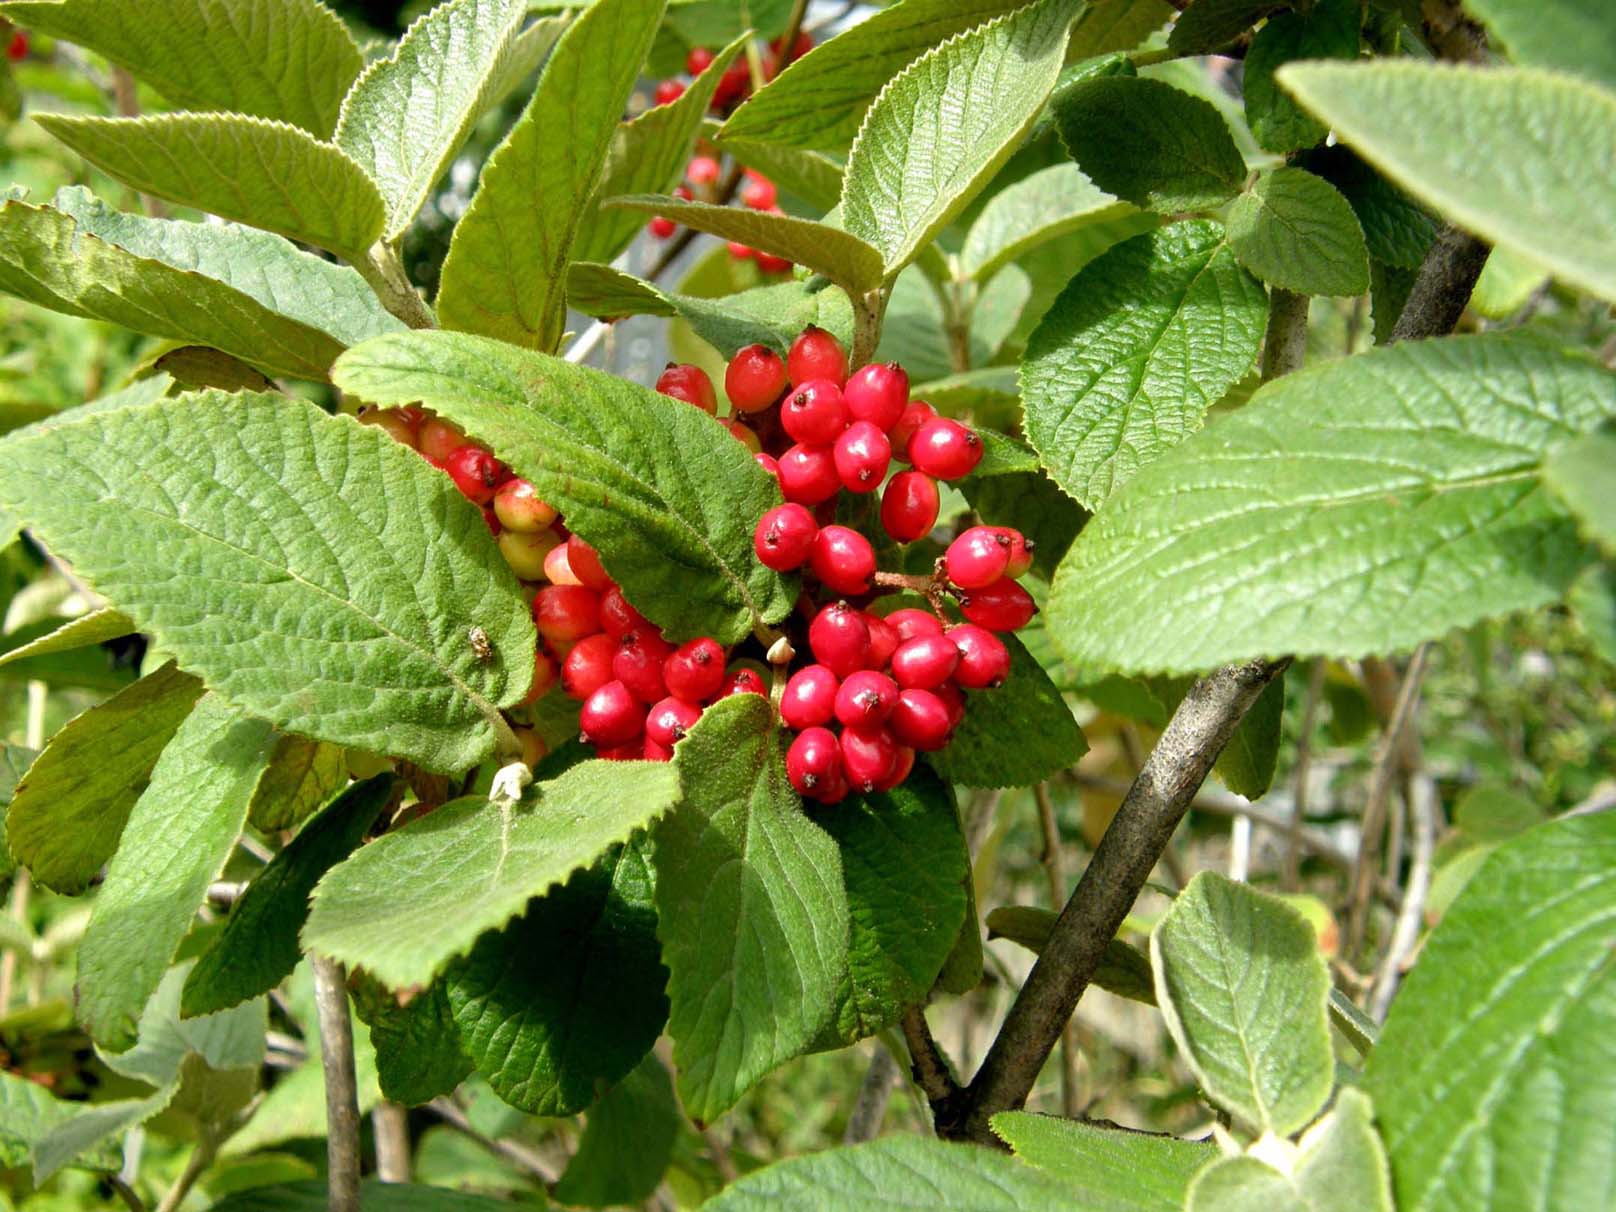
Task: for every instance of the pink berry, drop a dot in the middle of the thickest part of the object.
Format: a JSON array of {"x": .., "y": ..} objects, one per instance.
[
  {"x": 758, "y": 193},
  {"x": 863, "y": 455},
  {"x": 668, "y": 90},
  {"x": 984, "y": 660},
  {"x": 814, "y": 413},
  {"x": 518, "y": 507},
  {"x": 784, "y": 537},
  {"x": 742, "y": 681},
  {"x": 690, "y": 384},
  {"x": 437, "y": 439},
  {"x": 695, "y": 670},
  {"x": 475, "y": 472},
  {"x": 869, "y": 758},
  {"x": 566, "y": 612},
  {"x": 808, "y": 474},
  {"x": 1001, "y": 606},
  {"x": 884, "y": 641},
  {"x": 655, "y": 751},
  {"x": 925, "y": 662},
  {"x": 810, "y": 697},
  {"x": 618, "y": 618},
  {"x": 754, "y": 379},
  {"x": 585, "y": 563},
  {"x": 865, "y": 699},
  {"x": 877, "y": 393},
  {"x": 768, "y": 463},
  {"x": 637, "y": 664},
  {"x": 741, "y": 252},
  {"x": 813, "y": 760},
  {"x": 392, "y": 423},
  {"x": 909, "y": 506},
  {"x": 915, "y": 414},
  {"x": 558, "y": 566},
  {"x": 629, "y": 751},
  {"x": 702, "y": 170},
  {"x": 746, "y": 435},
  {"x": 910, "y": 622},
  {"x": 921, "y": 720},
  {"x": 698, "y": 60},
  {"x": 944, "y": 448},
  {"x": 900, "y": 769},
  {"x": 840, "y": 639},
  {"x": 815, "y": 354},
  {"x": 843, "y": 559},
  {"x": 661, "y": 227},
  {"x": 670, "y": 719},
  {"x": 611, "y": 716},
  {"x": 588, "y": 666},
  {"x": 1020, "y": 553},
  {"x": 771, "y": 264},
  {"x": 978, "y": 557},
  {"x": 546, "y": 672}
]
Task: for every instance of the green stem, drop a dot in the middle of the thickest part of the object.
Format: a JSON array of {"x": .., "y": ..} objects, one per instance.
[{"x": 384, "y": 272}]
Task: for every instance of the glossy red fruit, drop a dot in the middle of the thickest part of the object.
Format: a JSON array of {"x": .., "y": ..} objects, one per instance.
[
  {"x": 683, "y": 193},
  {"x": 702, "y": 170},
  {"x": 813, "y": 760},
  {"x": 518, "y": 506},
  {"x": 630, "y": 751},
  {"x": 390, "y": 422},
  {"x": 661, "y": 227},
  {"x": 984, "y": 660},
  {"x": 815, "y": 354},
  {"x": 863, "y": 455},
  {"x": 1001, "y": 606},
  {"x": 689, "y": 383},
  {"x": 618, "y": 618},
  {"x": 637, "y": 663},
  {"x": 437, "y": 439},
  {"x": 921, "y": 720},
  {"x": 1020, "y": 553},
  {"x": 586, "y": 566},
  {"x": 800, "y": 46},
  {"x": 654, "y": 751},
  {"x": 901, "y": 769},
  {"x": 839, "y": 638},
  {"x": 877, "y": 393},
  {"x": 742, "y": 681},
  {"x": 771, "y": 264},
  {"x": 669, "y": 90},
  {"x": 978, "y": 557},
  {"x": 915, "y": 414},
  {"x": 732, "y": 85},
  {"x": 754, "y": 378},
  {"x": 758, "y": 193},
  {"x": 741, "y": 252},
  {"x": 865, "y": 699},
  {"x": 670, "y": 719},
  {"x": 784, "y": 537},
  {"x": 910, "y": 622},
  {"x": 954, "y": 699},
  {"x": 925, "y": 662},
  {"x": 564, "y": 613},
  {"x": 698, "y": 60},
  {"x": 745, "y": 435},
  {"x": 558, "y": 567},
  {"x": 695, "y": 670},
  {"x": 944, "y": 448},
  {"x": 843, "y": 559},
  {"x": 884, "y": 641},
  {"x": 475, "y": 472},
  {"x": 611, "y": 716},
  {"x": 869, "y": 758},
  {"x": 808, "y": 474},
  {"x": 588, "y": 666},
  {"x": 814, "y": 414},
  {"x": 546, "y": 672},
  {"x": 909, "y": 506},
  {"x": 768, "y": 463},
  {"x": 810, "y": 697}
]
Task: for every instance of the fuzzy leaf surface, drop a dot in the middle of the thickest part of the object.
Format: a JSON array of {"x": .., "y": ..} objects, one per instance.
[
  {"x": 1583, "y": 475},
  {"x": 1038, "y": 208},
  {"x": 302, "y": 775},
  {"x": 1296, "y": 231},
  {"x": 1328, "y": 30},
  {"x": 1567, "y": 35},
  {"x": 1108, "y": 1170}
]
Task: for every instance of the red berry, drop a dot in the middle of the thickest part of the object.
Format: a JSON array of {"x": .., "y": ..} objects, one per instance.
[
  {"x": 754, "y": 378},
  {"x": 909, "y": 506},
  {"x": 637, "y": 663},
  {"x": 585, "y": 563},
  {"x": 588, "y": 666},
  {"x": 944, "y": 448},
  {"x": 698, "y": 60},
  {"x": 695, "y": 670},
  {"x": 742, "y": 681},
  {"x": 758, "y": 193},
  {"x": 984, "y": 660},
  {"x": 865, "y": 699},
  {"x": 437, "y": 439},
  {"x": 884, "y": 640},
  {"x": 925, "y": 662},
  {"x": 920, "y": 719},
  {"x": 813, "y": 760},
  {"x": 653, "y": 751},
  {"x": 843, "y": 559},
  {"x": 814, "y": 413},
  {"x": 689, "y": 383},
  {"x": 17, "y": 48},
  {"x": 771, "y": 264},
  {"x": 702, "y": 170},
  {"x": 910, "y": 622},
  {"x": 566, "y": 612},
  {"x": 683, "y": 193},
  {"x": 741, "y": 252},
  {"x": 545, "y": 674},
  {"x": 784, "y": 537},
  {"x": 810, "y": 697},
  {"x": 390, "y": 422},
  {"x": 618, "y": 618},
  {"x": 475, "y": 472},
  {"x": 800, "y": 46},
  {"x": 732, "y": 84},
  {"x": 745, "y": 435},
  {"x": 863, "y": 455},
  {"x": 978, "y": 557},
  {"x": 815, "y": 354},
  {"x": 669, "y": 90},
  {"x": 915, "y": 414},
  {"x": 518, "y": 507},
  {"x": 808, "y": 474},
  {"x": 611, "y": 716},
  {"x": 840, "y": 639},
  {"x": 1001, "y": 606},
  {"x": 768, "y": 463},
  {"x": 877, "y": 393},
  {"x": 869, "y": 758},
  {"x": 661, "y": 227},
  {"x": 900, "y": 770},
  {"x": 954, "y": 699},
  {"x": 1020, "y": 553},
  {"x": 558, "y": 567},
  {"x": 669, "y": 721},
  {"x": 629, "y": 751}
]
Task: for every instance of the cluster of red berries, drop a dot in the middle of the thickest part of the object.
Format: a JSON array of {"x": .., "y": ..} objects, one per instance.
[
  {"x": 757, "y": 193},
  {"x": 735, "y": 85}
]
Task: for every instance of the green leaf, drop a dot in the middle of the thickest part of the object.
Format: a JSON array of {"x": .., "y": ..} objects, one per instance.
[
  {"x": 92, "y": 1128},
  {"x": 27, "y": 1112},
  {"x": 1124, "y": 970},
  {"x": 812, "y": 176},
  {"x": 418, "y": 1052},
  {"x": 570, "y": 994},
  {"x": 845, "y": 259},
  {"x": 286, "y": 59},
  {"x": 1022, "y": 216},
  {"x": 180, "y": 832},
  {"x": 941, "y": 129},
  {"x": 820, "y": 100},
  {"x": 1137, "y": 347},
  {"x": 302, "y": 775},
  {"x": 626, "y": 1143},
  {"x": 374, "y": 1196},
  {"x": 664, "y": 492},
  {"x": 406, "y": 117},
  {"x": 1116, "y": 25},
  {"x": 1488, "y": 812},
  {"x": 648, "y": 155},
  {"x": 248, "y": 293},
  {"x": 68, "y": 811},
  {"x": 228, "y": 527},
  {"x": 1243, "y": 988},
  {"x": 1296, "y": 231},
  {"x": 1441, "y": 132},
  {"x": 1410, "y": 472},
  {"x": 506, "y": 272},
  {"x": 472, "y": 865},
  {"x": 1247, "y": 762},
  {"x": 899, "y": 1174},
  {"x": 1106, "y": 1169},
  {"x": 1339, "y": 1163},
  {"x": 1328, "y": 30},
  {"x": 1568, "y": 35},
  {"x": 96, "y": 627},
  {"x": 751, "y": 910},
  {"x": 1507, "y": 283},
  {"x": 1209, "y": 25},
  {"x": 1524, "y": 954},
  {"x": 905, "y": 867},
  {"x": 266, "y": 174},
  {"x": 1150, "y": 143},
  {"x": 1015, "y": 735},
  {"x": 1396, "y": 229},
  {"x": 1583, "y": 475},
  {"x": 258, "y": 948},
  {"x": 1593, "y": 601}
]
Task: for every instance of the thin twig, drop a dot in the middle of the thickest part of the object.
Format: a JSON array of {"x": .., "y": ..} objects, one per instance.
[
  {"x": 390, "y": 1123},
  {"x": 723, "y": 1161},
  {"x": 341, "y": 1088},
  {"x": 517, "y": 1154},
  {"x": 201, "y": 1158},
  {"x": 1406, "y": 933},
  {"x": 927, "y": 1064},
  {"x": 1291, "y": 872},
  {"x": 875, "y": 1092},
  {"x": 1055, "y": 873}
]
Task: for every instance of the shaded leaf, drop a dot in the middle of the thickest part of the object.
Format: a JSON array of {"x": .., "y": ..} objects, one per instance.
[
  {"x": 1583, "y": 475},
  {"x": 1296, "y": 231},
  {"x": 1247, "y": 762},
  {"x": 1327, "y": 30},
  {"x": 302, "y": 775},
  {"x": 418, "y": 1051},
  {"x": 1209, "y": 25},
  {"x": 626, "y": 1143},
  {"x": 96, "y": 627},
  {"x": 1108, "y": 1170},
  {"x": 1020, "y": 217}
]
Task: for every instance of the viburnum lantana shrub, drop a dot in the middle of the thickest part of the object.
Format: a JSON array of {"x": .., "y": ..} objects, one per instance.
[{"x": 608, "y": 742}]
